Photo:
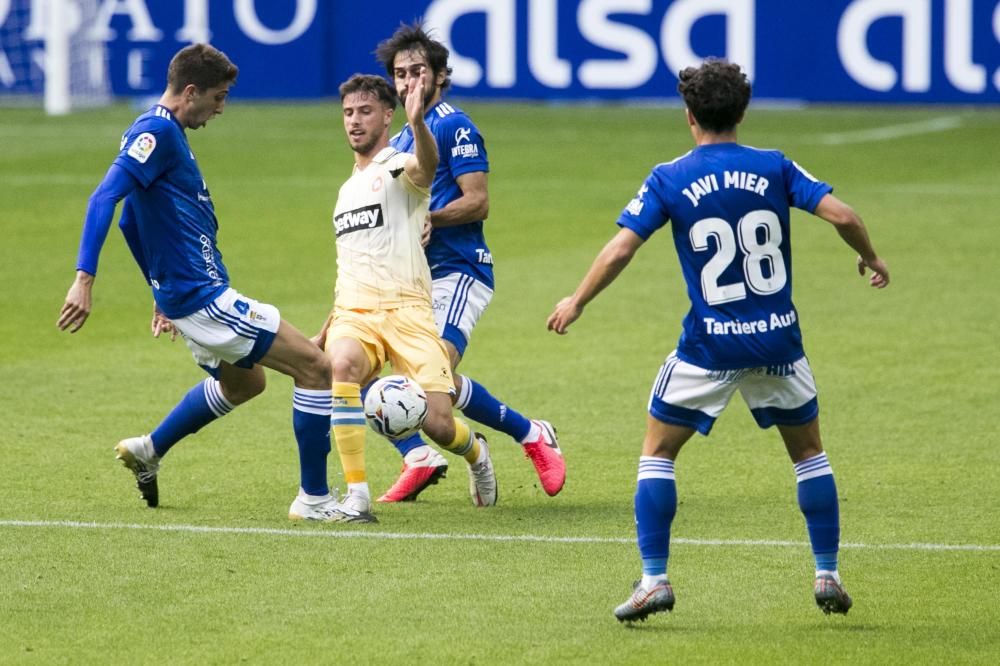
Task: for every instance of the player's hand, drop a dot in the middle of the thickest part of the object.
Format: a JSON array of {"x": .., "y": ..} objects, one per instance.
[
  {"x": 161, "y": 324},
  {"x": 425, "y": 233},
  {"x": 76, "y": 307},
  {"x": 566, "y": 312},
  {"x": 880, "y": 272},
  {"x": 414, "y": 101}
]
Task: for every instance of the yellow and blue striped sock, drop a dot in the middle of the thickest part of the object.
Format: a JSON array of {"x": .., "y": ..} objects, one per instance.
[{"x": 348, "y": 421}]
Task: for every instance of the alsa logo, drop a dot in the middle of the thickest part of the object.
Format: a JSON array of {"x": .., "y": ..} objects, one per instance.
[{"x": 367, "y": 217}]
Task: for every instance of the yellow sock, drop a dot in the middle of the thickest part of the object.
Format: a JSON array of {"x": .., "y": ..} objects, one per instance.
[
  {"x": 349, "y": 430},
  {"x": 464, "y": 444}
]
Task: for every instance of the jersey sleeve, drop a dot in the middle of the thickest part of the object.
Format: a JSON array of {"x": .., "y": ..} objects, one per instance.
[
  {"x": 397, "y": 169},
  {"x": 804, "y": 190},
  {"x": 646, "y": 212},
  {"x": 149, "y": 150},
  {"x": 117, "y": 185},
  {"x": 461, "y": 146}
]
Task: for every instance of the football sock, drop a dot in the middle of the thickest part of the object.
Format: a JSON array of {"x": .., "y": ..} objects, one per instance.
[
  {"x": 655, "y": 506},
  {"x": 359, "y": 489},
  {"x": 817, "y": 494},
  {"x": 407, "y": 444},
  {"x": 479, "y": 405},
  {"x": 203, "y": 404},
  {"x": 349, "y": 431},
  {"x": 311, "y": 422},
  {"x": 464, "y": 444}
]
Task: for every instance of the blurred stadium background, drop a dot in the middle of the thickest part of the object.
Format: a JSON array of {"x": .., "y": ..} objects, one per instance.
[{"x": 883, "y": 51}]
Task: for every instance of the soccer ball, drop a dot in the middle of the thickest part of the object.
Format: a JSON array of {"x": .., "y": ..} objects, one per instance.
[{"x": 395, "y": 406}]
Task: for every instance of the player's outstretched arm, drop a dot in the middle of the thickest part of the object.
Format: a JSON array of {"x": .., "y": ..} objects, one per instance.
[
  {"x": 852, "y": 230},
  {"x": 610, "y": 262},
  {"x": 117, "y": 184},
  {"x": 421, "y": 167}
]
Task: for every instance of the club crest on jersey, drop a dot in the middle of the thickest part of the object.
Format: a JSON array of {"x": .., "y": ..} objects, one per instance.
[
  {"x": 366, "y": 217},
  {"x": 142, "y": 147}
]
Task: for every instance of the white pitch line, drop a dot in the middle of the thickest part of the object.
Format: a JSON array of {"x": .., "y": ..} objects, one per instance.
[
  {"x": 939, "y": 124},
  {"x": 361, "y": 534}
]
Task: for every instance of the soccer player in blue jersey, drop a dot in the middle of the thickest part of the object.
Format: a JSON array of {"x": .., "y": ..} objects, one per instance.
[
  {"x": 169, "y": 223},
  {"x": 729, "y": 207},
  {"x": 461, "y": 265}
]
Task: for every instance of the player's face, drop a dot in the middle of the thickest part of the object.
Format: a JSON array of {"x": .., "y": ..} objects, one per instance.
[
  {"x": 203, "y": 105},
  {"x": 366, "y": 120},
  {"x": 406, "y": 70}
]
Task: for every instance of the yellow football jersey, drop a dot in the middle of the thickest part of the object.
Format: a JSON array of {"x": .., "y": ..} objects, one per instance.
[{"x": 378, "y": 221}]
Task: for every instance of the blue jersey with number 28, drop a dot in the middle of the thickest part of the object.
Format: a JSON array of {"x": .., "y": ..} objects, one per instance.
[{"x": 729, "y": 205}]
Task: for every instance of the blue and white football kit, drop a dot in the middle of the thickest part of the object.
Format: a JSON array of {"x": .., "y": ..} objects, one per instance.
[
  {"x": 460, "y": 261},
  {"x": 729, "y": 207},
  {"x": 169, "y": 223}
]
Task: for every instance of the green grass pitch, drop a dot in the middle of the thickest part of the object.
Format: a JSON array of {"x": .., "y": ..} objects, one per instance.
[{"x": 908, "y": 383}]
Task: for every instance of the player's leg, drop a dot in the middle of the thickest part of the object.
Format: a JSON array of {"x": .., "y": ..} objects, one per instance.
[
  {"x": 537, "y": 438},
  {"x": 354, "y": 361},
  {"x": 655, "y": 507},
  {"x": 785, "y": 396},
  {"x": 423, "y": 466},
  {"x": 685, "y": 399},
  {"x": 455, "y": 436},
  {"x": 218, "y": 336},
  {"x": 460, "y": 302},
  {"x": 817, "y": 497},
  {"x": 415, "y": 350},
  {"x": 293, "y": 354}
]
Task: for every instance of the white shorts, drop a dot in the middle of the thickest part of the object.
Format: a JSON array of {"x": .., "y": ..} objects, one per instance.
[
  {"x": 690, "y": 396},
  {"x": 232, "y": 328},
  {"x": 459, "y": 300}
]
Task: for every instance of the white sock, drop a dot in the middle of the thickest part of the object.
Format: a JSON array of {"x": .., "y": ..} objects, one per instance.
[
  {"x": 533, "y": 434},
  {"x": 313, "y": 500},
  {"x": 649, "y": 581},
  {"x": 825, "y": 572},
  {"x": 359, "y": 489}
]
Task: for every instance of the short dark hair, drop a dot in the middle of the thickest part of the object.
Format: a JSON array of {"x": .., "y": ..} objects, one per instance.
[
  {"x": 413, "y": 37},
  {"x": 717, "y": 94},
  {"x": 373, "y": 85},
  {"x": 202, "y": 65}
]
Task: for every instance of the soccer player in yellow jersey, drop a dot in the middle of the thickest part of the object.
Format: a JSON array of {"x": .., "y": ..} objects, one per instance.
[{"x": 382, "y": 304}]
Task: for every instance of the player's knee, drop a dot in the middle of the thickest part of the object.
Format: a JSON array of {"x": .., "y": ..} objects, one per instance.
[
  {"x": 347, "y": 368},
  {"x": 440, "y": 426},
  {"x": 249, "y": 387},
  {"x": 315, "y": 372}
]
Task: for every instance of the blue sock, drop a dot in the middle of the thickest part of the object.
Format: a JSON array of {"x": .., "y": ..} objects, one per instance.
[
  {"x": 311, "y": 411},
  {"x": 479, "y": 405},
  {"x": 404, "y": 445},
  {"x": 203, "y": 404},
  {"x": 655, "y": 506},
  {"x": 817, "y": 494},
  {"x": 407, "y": 444}
]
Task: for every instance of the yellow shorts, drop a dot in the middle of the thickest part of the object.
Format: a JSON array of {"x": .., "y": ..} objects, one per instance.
[{"x": 405, "y": 337}]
